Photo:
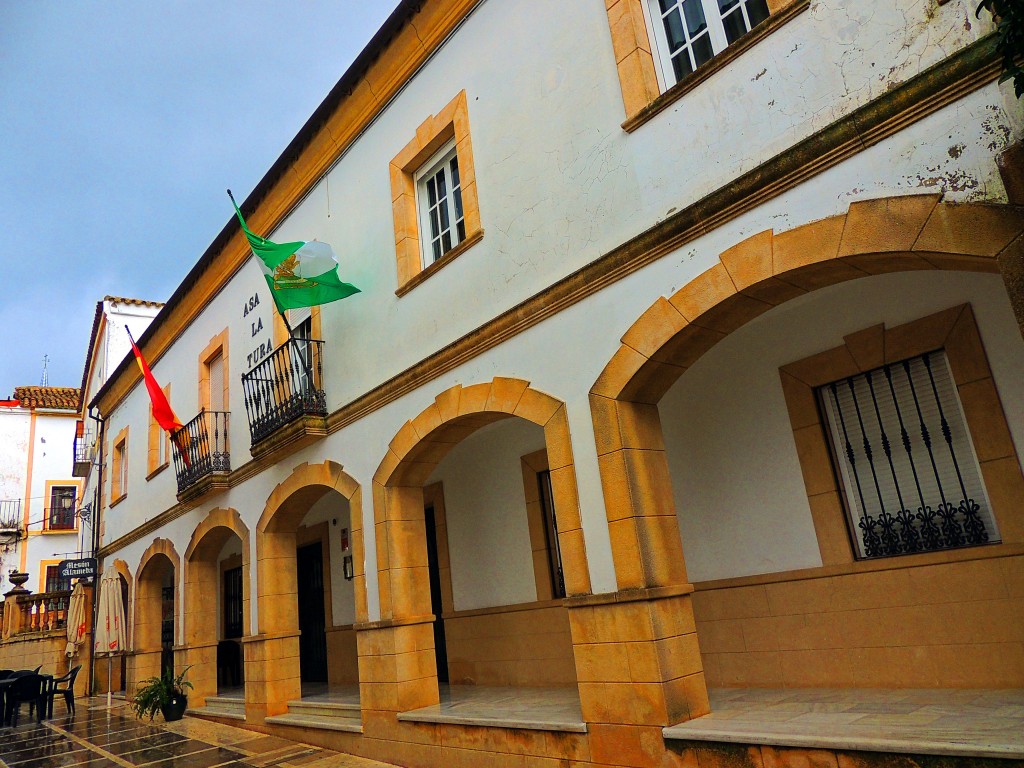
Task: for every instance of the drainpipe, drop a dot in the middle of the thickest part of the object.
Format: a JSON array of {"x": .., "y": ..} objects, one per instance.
[{"x": 96, "y": 519}]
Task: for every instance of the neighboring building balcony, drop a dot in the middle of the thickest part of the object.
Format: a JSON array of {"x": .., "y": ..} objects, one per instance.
[
  {"x": 202, "y": 460},
  {"x": 284, "y": 397},
  {"x": 84, "y": 449},
  {"x": 11, "y": 530}
]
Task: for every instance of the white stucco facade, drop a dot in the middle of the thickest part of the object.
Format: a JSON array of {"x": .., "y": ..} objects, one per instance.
[{"x": 562, "y": 185}]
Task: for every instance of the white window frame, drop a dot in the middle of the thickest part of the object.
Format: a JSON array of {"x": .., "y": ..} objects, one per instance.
[
  {"x": 656, "y": 32},
  {"x": 441, "y": 159},
  {"x": 121, "y": 450}
]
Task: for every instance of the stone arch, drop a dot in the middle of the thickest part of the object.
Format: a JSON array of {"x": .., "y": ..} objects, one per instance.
[
  {"x": 275, "y": 541},
  {"x": 202, "y": 588},
  {"x": 417, "y": 449},
  {"x": 147, "y": 658},
  {"x": 207, "y": 540},
  {"x": 915, "y": 232},
  {"x": 145, "y": 594}
]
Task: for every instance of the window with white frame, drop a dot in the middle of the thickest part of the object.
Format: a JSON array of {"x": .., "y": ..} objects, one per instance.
[
  {"x": 439, "y": 197},
  {"x": 902, "y": 449},
  {"x": 689, "y": 33}
]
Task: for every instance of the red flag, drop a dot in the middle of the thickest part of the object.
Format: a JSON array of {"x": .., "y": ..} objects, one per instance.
[{"x": 162, "y": 411}]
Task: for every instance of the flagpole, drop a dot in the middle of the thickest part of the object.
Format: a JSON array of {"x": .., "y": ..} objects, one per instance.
[{"x": 284, "y": 314}]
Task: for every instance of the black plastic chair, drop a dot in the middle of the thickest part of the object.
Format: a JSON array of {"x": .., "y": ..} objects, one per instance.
[
  {"x": 67, "y": 692},
  {"x": 5, "y": 673},
  {"x": 26, "y": 688}
]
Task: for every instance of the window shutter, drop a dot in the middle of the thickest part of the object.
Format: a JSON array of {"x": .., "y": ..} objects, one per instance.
[
  {"x": 908, "y": 467},
  {"x": 297, "y": 317}
]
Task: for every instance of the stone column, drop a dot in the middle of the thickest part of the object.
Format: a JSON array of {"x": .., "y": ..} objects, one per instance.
[
  {"x": 271, "y": 674},
  {"x": 397, "y": 671}
]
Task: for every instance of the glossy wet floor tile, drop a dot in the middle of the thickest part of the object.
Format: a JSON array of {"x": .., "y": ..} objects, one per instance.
[{"x": 95, "y": 737}]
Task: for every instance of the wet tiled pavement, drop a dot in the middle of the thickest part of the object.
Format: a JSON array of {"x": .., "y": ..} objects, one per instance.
[{"x": 96, "y": 737}]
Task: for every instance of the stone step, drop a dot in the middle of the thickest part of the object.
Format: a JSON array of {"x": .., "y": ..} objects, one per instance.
[
  {"x": 222, "y": 706},
  {"x": 325, "y": 710},
  {"x": 346, "y": 724},
  {"x": 221, "y": 713}
]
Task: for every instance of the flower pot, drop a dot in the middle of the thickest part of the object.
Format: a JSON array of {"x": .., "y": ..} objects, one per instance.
[{"x": 175, "y": 708}]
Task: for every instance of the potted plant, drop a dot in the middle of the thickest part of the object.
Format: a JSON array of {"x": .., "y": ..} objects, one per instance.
[{"x": 166, "y": 693}]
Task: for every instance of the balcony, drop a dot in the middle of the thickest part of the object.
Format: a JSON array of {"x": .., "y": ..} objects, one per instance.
[
  {"x": 284, "y": 398},
  {"x": 11, "y": 530},
  {"x": 202, "y": 460},
  {"x": 84, "y": 450}
]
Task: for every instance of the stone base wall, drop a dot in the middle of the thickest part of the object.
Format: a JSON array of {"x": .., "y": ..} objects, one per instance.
[
  {"x": 924, "y": 621},
  {"x": 46, "y": 650},
  {"x": 342, "y": 657},
  {"x": 529, "y": 647}
]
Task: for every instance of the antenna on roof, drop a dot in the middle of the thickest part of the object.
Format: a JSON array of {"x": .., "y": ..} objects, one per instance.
[{"x": 44, "y": 380}]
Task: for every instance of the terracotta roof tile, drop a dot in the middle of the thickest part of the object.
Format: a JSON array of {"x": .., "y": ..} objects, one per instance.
[
  {"x": 133, "y": 302},
  {"x": 65, "y": 398}
]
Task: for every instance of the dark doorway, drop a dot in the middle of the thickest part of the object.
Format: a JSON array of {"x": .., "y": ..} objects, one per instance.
[
  {"x": 167, "y": 627},
  {"x": 233, "y": 603},
  {"x": 440, "y": 650},
  {"x": 312, "y": 620},
  {"x": 229, "y": 650}
]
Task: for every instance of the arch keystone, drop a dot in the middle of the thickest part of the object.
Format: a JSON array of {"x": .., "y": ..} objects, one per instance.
[{"x": 506, "y": 394}]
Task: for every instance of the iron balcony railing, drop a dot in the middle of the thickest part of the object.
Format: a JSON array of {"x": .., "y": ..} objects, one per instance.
[
  {"x": 201, "y": 448},
  {"x": 287, "y": 385},
  {"x": 10, "y": 513}
]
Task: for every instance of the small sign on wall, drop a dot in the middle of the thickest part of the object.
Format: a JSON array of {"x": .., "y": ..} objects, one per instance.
[
  {"x": 83, "y": 568},
  {"x": 345, "y": 545},
  {"x": 346, "y": 567}
]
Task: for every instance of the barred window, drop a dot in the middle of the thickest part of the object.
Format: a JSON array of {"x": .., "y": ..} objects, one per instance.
[{"x": 905, "y": 458}]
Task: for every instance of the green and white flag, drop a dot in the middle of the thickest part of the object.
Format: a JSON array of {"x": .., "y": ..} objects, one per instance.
[{"x": 299, "y": 274}]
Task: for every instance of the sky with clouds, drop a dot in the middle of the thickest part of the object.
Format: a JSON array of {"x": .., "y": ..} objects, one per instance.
[{"x": 121, "y": 125}]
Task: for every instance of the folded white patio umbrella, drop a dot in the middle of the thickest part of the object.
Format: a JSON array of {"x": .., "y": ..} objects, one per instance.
[
  {"x": 76, "y": 620},
  {"x": 110, "y": 633}
]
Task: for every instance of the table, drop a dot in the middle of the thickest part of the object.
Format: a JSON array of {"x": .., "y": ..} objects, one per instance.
[{"x": 44, "y": 703}]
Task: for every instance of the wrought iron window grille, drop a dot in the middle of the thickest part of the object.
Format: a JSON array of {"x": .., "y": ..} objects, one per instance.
[
  {"x": 201, "y": 448},
  {"x": 901, "y": 446},
  {"x": 284, "y": 387}
]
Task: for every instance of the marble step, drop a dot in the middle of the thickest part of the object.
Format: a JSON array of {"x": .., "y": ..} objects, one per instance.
[
  {"x": 326, "y": 710},
  {"x": 345, "y": 724},
  {"x": 222, "y": 706}
]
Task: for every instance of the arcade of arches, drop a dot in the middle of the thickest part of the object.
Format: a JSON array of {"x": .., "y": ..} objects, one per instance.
[{"x": 686, "y": 614}]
